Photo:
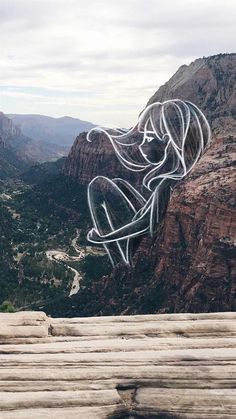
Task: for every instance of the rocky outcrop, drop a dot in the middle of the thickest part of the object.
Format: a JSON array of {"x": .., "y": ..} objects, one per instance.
[
  {"x": 87, "y": 160},
  {"x": 193, "y": 254},
  {"x": 190, "y": 263},
  {"x": 10, "y": 162},
  {"x": 7, "y": 129},
  {"x": 153, "y": 366},
  {"x": 210, "y": 83}
]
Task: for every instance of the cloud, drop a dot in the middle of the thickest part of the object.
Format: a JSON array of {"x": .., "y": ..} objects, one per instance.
[{"x": 101, "y": 60}]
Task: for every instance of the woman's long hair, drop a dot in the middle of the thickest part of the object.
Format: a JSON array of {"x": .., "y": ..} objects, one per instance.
[
  {"x": 179, "y": 127},
  {"x": 166, "y": 143}
]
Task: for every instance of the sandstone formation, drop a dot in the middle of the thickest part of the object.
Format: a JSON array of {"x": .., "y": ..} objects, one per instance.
[
  {"x": 190, "y": 263},
  {"x": 153, "y": 366},
  {"x": 210, "y": 83},
  {"x": 87, "y": 160}
]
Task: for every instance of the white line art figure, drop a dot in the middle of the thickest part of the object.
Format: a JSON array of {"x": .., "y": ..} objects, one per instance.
[{"x": 165, "y": 144}]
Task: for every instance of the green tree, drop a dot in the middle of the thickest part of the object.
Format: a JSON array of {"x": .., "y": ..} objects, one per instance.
[{"x": 7, "y": 307}]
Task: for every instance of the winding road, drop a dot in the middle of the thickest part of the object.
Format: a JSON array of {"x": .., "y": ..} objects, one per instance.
[{"x": 61, "y": 256}]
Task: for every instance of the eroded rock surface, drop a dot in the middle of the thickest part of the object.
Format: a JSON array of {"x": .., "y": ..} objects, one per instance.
[{"x": 148, "y": 366}]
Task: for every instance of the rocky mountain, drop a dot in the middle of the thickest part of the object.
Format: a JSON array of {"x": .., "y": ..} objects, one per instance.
[
  {"x": 11, "y": 163},
  {"x": 210, "y": 83},
  {"x": 19, "y": 151},
  {"x": 190, "y": 263},
  {"x": 59, "y": 131},
  {"x": 84, "y": 161}
]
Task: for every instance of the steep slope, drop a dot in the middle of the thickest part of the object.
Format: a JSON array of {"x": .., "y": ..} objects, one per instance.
[
  {"x": 190, "y": 264},
  {"x": 41, "y": 172},
  {"x": 11, "y": 164},
  {"x": 60, "y": 131},
  {"x": 19, "y": 150},
  {"x": 85, "y": 161},
  {"x": 210, "y": 83}
]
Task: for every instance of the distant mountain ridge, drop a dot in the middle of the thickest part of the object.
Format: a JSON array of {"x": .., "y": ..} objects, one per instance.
[
  {"x": 18, "y": 151},
  {"x": 61, "y": 131}
]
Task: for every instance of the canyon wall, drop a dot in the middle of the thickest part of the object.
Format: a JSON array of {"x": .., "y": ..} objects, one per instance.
[{"x": 190, "y": 263}]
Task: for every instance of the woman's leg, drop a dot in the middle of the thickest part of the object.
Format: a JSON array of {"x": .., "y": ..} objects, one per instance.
[{"x": 110, "y": 209}]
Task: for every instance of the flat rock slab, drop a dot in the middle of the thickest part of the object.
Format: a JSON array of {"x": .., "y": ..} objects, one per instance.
[{"x": 147, "y": 366}]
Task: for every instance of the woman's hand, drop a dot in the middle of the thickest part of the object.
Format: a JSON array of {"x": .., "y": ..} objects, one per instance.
[
  {"x": 93, "y": 235},
  {"x": 134, "y": 228}
]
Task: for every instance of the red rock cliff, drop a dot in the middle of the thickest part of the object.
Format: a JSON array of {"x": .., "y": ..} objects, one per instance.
[{"x": 190, "y": 264}]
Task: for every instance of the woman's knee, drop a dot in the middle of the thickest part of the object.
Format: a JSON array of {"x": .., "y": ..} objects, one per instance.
[{"x": 99, "y": 182}]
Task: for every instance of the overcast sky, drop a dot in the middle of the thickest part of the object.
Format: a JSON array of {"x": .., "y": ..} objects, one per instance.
[{"x": 101, "y": 60}]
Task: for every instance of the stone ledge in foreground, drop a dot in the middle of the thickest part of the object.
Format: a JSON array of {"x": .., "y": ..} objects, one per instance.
[{"x": 142, "y": 366}]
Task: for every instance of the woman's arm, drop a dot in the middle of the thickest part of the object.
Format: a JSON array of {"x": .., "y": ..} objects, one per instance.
[{"x": 139, "y": 225}]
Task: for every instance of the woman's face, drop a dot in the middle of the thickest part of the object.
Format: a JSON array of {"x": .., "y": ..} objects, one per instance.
[{"x": 153, "y": 147}]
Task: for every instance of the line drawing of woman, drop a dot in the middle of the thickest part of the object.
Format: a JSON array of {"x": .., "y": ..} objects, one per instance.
[{"x": 166, "y": 143}]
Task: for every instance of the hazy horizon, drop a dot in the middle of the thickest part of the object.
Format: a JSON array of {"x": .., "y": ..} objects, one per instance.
[
  {"x": 100, "y": 60},
  {"x": 40, "y": 114}
]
